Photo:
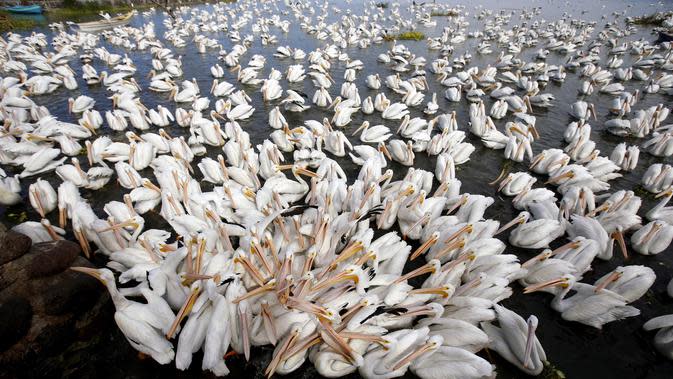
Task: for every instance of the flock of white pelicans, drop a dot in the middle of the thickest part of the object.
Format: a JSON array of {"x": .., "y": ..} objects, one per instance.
[{"x": 283, "y": 250}]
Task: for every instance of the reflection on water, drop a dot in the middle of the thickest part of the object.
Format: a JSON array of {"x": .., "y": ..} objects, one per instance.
[{"x": 621, "y": 349}]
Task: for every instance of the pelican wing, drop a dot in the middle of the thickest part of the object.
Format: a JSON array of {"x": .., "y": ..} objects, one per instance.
[
  {"x": 451, "y": 362},
  {"x": 665, "y": 321},
  {"x": 144, "y": 338},
  {"x": 161, "y": 316},
  {"x": 602, "y": 308}
]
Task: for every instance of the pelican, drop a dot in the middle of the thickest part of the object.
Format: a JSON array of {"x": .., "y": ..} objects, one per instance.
[
  {"x": 233, "y": 244},
  {"x": 375, "y": 134},
  {"x": 142, "y": 324},
  {"x": 661, "y": 211},
  {"x": 582, "y": 110},
  {"x": 432, "y": 106},
  {"x": 42, "y": 197},
  {"x": 373, "y": 81},
  {"x": 81, "y": 104},
  {"x": 395, "y": 111},
  {"x": 401, "y": 152},
  {"x": 41, "y": 161},
  {"x": 652, "y": 238},
  {"x": 589, "y": 305},
  {"x": 533, "y": 234},
  {"x": 662, "y": 340},
  {"x": 515, "y": 340},
  {"x": 10, "y": 188},
  {"x": 631, "y": 282}
]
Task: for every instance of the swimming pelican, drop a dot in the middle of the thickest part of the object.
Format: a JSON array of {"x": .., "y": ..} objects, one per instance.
[
  {"x": 589, "y": 305},
  {"x": 515, "y": 340}
]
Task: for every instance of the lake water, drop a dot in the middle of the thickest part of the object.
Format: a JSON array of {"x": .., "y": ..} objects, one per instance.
[{"x": 620, "y": 350}]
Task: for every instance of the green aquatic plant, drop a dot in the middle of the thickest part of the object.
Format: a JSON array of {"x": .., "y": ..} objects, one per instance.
[
  {"x": 72, "y": 8},
  {"x": 642, "y": 192},
  {"x": 7, "y": 22},
  {"x": 655, "y": 19},
  {"x": 650, "y": 297},
  {"x": 17, "y": 217},
  {"x": 507, "y": 165},
  {"x": 446, "y": 13},
  {"x": 408, "y": 36},
  {"x": 551, "y": 372}
]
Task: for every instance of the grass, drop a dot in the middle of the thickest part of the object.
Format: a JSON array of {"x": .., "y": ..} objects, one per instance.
[
  {"x": 73, "y": 9},
  {"x": 7, "y": 22},
  {"x": 382, "y": 5},
  {"x": 406, "y": 36},
  {"x": 70, "y": 9}
]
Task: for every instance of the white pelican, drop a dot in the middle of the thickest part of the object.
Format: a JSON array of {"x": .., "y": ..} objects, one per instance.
[
  {"x": 533, "y": 234},
  {"x": 515, "y": 340},
  {"x": 589, "y": 305},
  {"x": 81, "y": 104},
  {"x": 395, "y": 111},
  {"x": 42, "y": 197},
  {"x": 652, "y": 238},
  {"x": 401, "y": 152},
  {"x": 142, "y": 324},
  {"x": 662, "y": 340}
]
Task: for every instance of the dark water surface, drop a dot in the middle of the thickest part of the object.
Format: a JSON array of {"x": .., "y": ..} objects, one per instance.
[{"x": 620, "y": 350}]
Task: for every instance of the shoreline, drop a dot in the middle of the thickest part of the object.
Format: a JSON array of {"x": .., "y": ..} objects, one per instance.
[{"x": 70, "y": 10}]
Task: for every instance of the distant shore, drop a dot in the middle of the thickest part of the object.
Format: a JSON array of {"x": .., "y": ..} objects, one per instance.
[{"x": 72, "y": 9}]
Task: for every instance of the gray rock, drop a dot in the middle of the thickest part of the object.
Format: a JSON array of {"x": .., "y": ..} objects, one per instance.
[
  {"x": 12, "y": 246},
  {"x": 49, "y": 258},
  {"x": 48, "y": 313},
  {"x": 15, "y": 319},
  {"x": 70, "y": 291}
]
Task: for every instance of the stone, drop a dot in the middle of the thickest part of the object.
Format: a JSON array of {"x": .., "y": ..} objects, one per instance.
[
  {"x": 52, "y": 337},
  {"x": 15, "y": 320},
  {"x": 13, "y": 245},
  {"x": 49, "y": 258},
  {"x": 50, "y": 316},
  {"x": 70, "y": 291}
]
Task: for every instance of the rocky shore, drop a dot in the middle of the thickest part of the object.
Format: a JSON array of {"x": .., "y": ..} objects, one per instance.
[{"x": 48, "y": 313}]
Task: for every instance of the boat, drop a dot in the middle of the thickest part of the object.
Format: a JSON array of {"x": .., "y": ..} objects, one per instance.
[
  {"x": 96, "y": 26},
  {"x": 24, "y": 9}
]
